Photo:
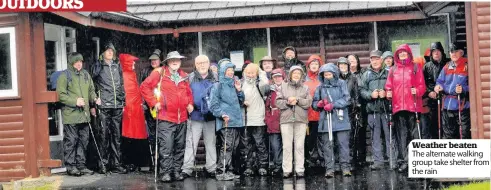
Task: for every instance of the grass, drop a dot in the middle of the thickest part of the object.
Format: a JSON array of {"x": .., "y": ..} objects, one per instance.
[{"x": 485, "y": 185}]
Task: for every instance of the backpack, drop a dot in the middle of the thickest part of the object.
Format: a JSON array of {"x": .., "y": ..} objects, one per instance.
[
  {"x": 206, "y": 101},
  {"x": 53, "y": 80}
]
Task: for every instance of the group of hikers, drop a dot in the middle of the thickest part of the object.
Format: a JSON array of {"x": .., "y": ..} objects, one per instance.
[{"x": 271, "y": 121}]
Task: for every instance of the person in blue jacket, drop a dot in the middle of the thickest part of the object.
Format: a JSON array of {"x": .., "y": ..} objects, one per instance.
[
  {"x": 333, "y": 96},
  {"x": 226, "y": 99},
  {"x": 201, "y": 121},
  {"x": 453, "y": 82}
]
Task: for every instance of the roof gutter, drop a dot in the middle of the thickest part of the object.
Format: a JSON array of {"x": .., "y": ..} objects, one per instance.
[{"x": 420, "y": 9}]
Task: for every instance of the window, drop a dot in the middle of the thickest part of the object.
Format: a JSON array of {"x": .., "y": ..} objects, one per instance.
[{"x": 8, "y": 63}]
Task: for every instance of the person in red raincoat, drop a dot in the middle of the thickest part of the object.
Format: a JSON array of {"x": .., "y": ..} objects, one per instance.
[
  {"x": 133, "y": 116},
  {"x": 405, "y": 86}
]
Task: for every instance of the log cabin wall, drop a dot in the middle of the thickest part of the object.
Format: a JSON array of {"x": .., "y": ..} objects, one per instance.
[{"x": 478, "y": 47}]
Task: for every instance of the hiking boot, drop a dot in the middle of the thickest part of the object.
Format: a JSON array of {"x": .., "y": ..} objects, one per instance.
[
  {"x": 166, "y": 178},
  {"x": 85, "y": 171},
  {"x": 275, "y": 172},
  {"x": 211, "y": 174},
  {"x": 102, "y": 168},
  {"x": 287, "y": 174},
  {"x": 73, "y": 172},
  {"x": 394, "y": 167},
  {"x": 263, "y": 172},
  {"x": 178, "y": 176},
  {"x": 300, "y": 174},
  {"x": 225, "y": 176},
  {"x": 131, "y": 168},
  {"x": 329, "y": 174},
  {"x": 347, "y": 173},
  {"x": 185, "y": 175},
  {"x": 376, "y": 166},
  {"x": 120, "y": 170},
  {"x": 248, "y": 172},
  {"x": 403, "y": 168}
]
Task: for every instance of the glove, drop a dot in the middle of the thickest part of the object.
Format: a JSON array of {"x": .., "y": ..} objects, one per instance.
[
  {"x": 321, "y": 104},
  {"x": 328, "y": 107}
]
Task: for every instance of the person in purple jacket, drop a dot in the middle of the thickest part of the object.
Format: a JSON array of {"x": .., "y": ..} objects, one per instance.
[{"x": 453, "y": 82}]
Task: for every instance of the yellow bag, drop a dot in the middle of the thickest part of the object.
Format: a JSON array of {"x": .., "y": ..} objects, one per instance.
[{"x": 156, "y": 93}]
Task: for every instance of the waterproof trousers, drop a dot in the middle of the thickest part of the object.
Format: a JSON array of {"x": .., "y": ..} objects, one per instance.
[
  {"x": 110, "y": 134},
  {"x": 379, "y": 125},
  {"x": 75, "y": 141},
  {"x": 276, "y": 150},
  {"x": 312, "y": 155},
  {"x": 451, "y": 127},
  {"x": 405, "y": 130},
  {"x": 230, "y": 137},
  {"x": 341, "y": 139},
  {"x": 171, "y": 141},
  {"x": 254, "y": 140}
]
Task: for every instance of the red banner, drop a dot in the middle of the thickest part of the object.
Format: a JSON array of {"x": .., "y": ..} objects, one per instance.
[{"x": 61, "y": 5}]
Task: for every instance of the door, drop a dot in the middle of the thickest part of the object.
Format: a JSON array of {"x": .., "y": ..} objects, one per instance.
[{"x": 59, "y": 41}]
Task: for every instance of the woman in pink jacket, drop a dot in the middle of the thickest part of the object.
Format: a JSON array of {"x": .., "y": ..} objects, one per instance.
[{"x": 405, "y": 87}]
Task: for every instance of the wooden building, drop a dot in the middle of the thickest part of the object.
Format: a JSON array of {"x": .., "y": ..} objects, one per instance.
[{"x": 34, "y": 45}]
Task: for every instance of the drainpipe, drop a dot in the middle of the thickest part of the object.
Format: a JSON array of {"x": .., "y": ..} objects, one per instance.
[{"x": 97, "y": 47}]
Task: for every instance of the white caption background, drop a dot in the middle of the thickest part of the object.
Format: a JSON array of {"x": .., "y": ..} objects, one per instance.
[{"x": 449, "y": 162}]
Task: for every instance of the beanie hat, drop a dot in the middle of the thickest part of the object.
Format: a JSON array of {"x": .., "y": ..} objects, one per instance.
[{"x": 74, "y": 57}]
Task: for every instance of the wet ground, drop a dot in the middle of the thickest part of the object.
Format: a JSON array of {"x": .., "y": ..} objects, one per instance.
[{"x": 365, "y": 179}]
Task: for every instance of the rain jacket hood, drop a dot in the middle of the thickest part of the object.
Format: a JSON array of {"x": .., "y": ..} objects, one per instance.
[
  {"x": 409, "y": 60},
  {"x": 387, "y": 54},
  {"x": 401, "y": 78},
  {"x": 311, "y": 74},
  {"x": 437, "y": 46},
  {"x": 330, "y": 67},
  {"x": 126, "y": 61},
  {"x": 133, "y": 116},
  {"x": 225, "y": 99}
]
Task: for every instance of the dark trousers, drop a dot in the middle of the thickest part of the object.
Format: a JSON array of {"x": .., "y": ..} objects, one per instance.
[
  {"x": 133, "y": 149},
  {"x": 276, "y": 150},
  {"x": 254, "y": 140},
  {"x": 429, "y": 124},
  {"x": 110, "y": 134},
  {"x": 378, "y": 123},
  {"x": 451, "y": 127},
  {"x": 171, "y": 141},
  {"x": 75, "y": 141},
  {"x": 230, "y": 138},
  {"x": 151, "y": 122},
  {"x": 359, "y": 137},
  {"x": 405, "y": 130},
  {"x": 326, "y": 149},
  {"x": 311, "y": 153}
]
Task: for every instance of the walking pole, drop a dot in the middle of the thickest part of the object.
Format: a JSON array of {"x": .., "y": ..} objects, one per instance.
[
  {"x": 293, "y": 147},
  {"x": 416, "y": 112},
  {"x": 439, "y": 115},
  {"x": 225, "y": 147},
  {"x": 194, "y": 151},
  {"x": 329, "y": 127},
  {"x": 390, "y": 132},
  {"x": 156, "y": 145},
  {"x": 95, "y": 143},
  {"x": 391, "y": 162},
  {"x": 460, "y": 116}
]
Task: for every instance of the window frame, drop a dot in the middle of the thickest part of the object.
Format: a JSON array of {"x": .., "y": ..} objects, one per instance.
[{"x": 14, "y": 91}]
